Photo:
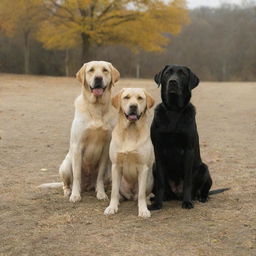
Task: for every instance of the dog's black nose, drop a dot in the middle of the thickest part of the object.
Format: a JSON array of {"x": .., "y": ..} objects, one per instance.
[
  {"x": 173, "y": 83},
  {"x": 133, "y": 108},
  {"x": 98, "y": 82},
  {"x": 173, "y": 86},
  {"x": 98, "y": 79}
]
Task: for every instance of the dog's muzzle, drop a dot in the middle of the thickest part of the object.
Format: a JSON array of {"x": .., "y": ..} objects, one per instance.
[
  {"x": 133, "y": 115},
  {"x": 173, "y": 87},
  {"x": 98, "y": 88}
]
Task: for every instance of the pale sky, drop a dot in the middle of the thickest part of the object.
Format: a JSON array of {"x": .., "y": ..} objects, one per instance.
[{"x": 210, "y": 3}]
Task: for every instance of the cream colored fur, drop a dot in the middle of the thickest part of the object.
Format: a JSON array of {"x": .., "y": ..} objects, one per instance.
[
  {"x": 87, "y": 161},
  {"x": 131, "y": 152}
]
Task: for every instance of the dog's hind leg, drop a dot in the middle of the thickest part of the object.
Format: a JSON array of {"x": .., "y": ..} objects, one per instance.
[
  {"x": 65, "y": 172},
  {"x": 206, "y": 186},
  {"x": 203, "y": 184}
]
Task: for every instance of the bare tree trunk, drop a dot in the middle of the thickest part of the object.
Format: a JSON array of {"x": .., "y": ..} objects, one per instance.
[
  {"x": 138, "y": 66},
  {"x": 138, "y": 71},
  {"x": 85, "y": 48},
  {"x": 67, "y": 62},
  {"x": 26, "y": 52},
  {"x": 224, "y": 70}
]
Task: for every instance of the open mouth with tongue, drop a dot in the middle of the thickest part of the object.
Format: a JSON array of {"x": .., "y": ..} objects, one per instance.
[
  {"x": 132, "y": 117},
  {"x": 97, "y": 91}
]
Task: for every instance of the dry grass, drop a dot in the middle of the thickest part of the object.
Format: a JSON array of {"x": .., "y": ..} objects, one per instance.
[{"x": 36, "y": 113}]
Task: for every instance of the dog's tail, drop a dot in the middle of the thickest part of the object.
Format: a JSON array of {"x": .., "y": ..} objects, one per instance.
[
  {"x": 51, "y": 185},
  {"x": 217, "y": 191}
]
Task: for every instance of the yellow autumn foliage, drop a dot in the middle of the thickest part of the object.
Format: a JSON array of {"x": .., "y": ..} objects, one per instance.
[
  {"x": 137, "y": 24},
  {"x": 20, "y": 16}
]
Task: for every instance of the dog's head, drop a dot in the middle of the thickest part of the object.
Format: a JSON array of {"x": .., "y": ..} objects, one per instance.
[
  {"x": 176, "y": 85},
  {"x": 133, "y": 103},
  {"x": 97, "y": 76}
]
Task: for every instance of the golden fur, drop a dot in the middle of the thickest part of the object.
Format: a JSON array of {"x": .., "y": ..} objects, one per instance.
[
  {"x": 131, "y": 151},
  {"x": 87, "y": 161}
]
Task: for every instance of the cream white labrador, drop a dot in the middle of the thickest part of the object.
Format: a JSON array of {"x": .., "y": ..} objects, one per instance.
[
  {"x": 131, "y": 150},
  {"x": 86, "y": 163}
]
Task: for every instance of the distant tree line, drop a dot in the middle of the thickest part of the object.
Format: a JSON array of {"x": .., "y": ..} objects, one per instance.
[
  {"x": 218, "y": 44},
  {"x": 70, "y": 25}
]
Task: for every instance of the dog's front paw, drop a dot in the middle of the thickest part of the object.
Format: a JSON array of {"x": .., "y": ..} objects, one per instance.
[
  {"x": 145, "y": 213},
  {"x": 111, "y": 210},
  {"x": 75, "y": 198},
  {"x": 187, "y": 205},
  {"x": 102, "y": 196}
]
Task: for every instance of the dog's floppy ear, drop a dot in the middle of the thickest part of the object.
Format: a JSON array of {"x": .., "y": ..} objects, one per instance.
[
  {"x": 193, "y": 80},
  {"x": 116, "y": 100},
  {"x": 115, "y": 75},
  {"x": 80, "y": 75},
  {"x": 158, "y": 76},
  {"x": 149, "y": 99}
]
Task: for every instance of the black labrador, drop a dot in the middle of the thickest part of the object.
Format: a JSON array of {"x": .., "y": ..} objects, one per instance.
[{"x": 178, "y": 171}]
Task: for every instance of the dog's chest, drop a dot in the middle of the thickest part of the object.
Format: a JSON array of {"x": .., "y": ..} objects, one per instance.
[
  {"x": 173, "y": 142},
  {"x": 129, "y": 162},
  {"x": 173, "y": 152},
  {"x": 128, "y": 157},
  {"x": 94, "y": 139},
  {"x": 96, "y": 135}
]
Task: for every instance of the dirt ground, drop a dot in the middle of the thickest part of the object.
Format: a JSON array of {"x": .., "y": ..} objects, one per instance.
[{"x": 35, "y": 119}]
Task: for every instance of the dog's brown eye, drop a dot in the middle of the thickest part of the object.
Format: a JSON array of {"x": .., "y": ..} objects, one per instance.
[
  {"x": 139, "y": 98},
  {"x": 91, "y": 70},
  {"x": 105, "y": 70},
  {"x": 127, "y": 97}
]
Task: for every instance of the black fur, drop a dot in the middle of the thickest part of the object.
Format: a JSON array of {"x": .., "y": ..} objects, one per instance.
[{"x": 176, "y": 142}]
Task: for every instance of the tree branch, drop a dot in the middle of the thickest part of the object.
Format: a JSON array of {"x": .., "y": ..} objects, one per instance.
[
  {"x": 107, "y": 9},
  {"x": 59, "y": 6},
  {"x": 122, "y": 17}
]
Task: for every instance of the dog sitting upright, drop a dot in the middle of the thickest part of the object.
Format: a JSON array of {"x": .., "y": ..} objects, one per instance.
[
  {"x": 180, "y": 172},
  {"x": 87, "y": 160},
  {"x": 131, "y": 150}
]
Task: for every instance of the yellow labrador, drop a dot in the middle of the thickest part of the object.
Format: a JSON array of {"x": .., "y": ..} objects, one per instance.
[
  {"x": 86, "y": 163},
  {"x": 131, "y": 150}
]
